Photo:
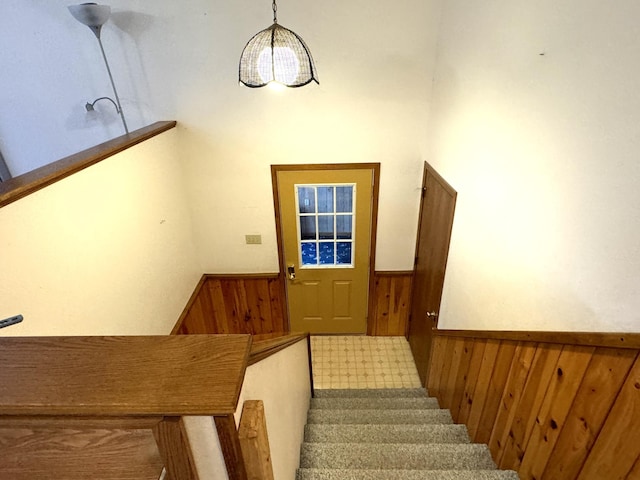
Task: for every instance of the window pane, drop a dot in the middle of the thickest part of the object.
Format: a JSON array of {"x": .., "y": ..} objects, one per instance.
[
  {"x": 326, "y": 253},
  {"x": 325, "y": 227},
  {"x": 307, "y": 199},
  {"x": 309, "y": 254},
  {"x": 307, "y": 228},
  {"x": 343, "y": 227},
  {"x": 344, "y": 199},
  {"x": 325, "y": 199},
  {"x": 344, "y": 252}
]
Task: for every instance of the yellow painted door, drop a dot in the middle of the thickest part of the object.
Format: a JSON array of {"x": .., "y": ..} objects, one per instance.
[{"x": 326, "y": 218}]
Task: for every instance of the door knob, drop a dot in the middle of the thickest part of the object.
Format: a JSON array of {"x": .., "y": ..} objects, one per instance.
[{"x": 432, "y": 314}]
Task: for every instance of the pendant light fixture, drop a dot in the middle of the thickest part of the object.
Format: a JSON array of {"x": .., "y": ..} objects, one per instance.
[
  {"x": 278, "y": 55},
  {"x": 94, "y": 16}
]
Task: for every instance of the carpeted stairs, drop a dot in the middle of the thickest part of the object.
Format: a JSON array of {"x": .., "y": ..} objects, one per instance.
[{"x": 389, "y": 434}]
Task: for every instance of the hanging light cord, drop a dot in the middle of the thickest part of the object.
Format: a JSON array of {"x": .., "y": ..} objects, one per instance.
[{"x": 275, "y": 10}]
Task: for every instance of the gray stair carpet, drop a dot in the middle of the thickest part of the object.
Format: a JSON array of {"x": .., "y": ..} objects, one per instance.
[{"x": 389, "y": 434}]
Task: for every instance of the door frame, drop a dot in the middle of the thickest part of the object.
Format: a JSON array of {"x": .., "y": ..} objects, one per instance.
[{"x": 375, "y": 190}]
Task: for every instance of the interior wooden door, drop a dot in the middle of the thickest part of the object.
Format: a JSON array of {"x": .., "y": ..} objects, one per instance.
[
  {"x": 325, "y": 226},
  {"x": 432, "y": 248}
]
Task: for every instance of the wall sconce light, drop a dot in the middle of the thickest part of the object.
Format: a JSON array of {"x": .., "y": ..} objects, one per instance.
[
  {"x": 277, "y": 55},
  {"x": 94, "y": 16}
]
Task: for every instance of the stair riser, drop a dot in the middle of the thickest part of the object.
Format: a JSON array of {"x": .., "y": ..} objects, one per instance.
[
  {"x": 338, "y": 474},
  {"x": 386, "y": 433},
  {"x": 374, "y": 403},
  {"x": 392, "y": 456},
  {"x": 373, "y": 393},
  {"x": 380, "y": 417}
]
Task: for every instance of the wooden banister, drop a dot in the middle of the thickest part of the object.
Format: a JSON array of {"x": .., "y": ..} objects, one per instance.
[
  {"x": 83, "y": 396},
  {"x": 66, "y": 400},
  {"x": 254, "y": 441},
  {"x": 132, "y": 376}
]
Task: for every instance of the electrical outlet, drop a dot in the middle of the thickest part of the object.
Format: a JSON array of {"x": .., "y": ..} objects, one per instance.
[{"x": 253, "y": 239}]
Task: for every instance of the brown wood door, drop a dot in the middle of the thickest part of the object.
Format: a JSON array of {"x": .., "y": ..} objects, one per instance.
[{"x": 432, "y": 248}]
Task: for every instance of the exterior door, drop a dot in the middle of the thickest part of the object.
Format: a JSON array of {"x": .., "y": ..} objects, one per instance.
[
  {"x": 432, "y": 248},
  {"x": 325, "y": 218}
]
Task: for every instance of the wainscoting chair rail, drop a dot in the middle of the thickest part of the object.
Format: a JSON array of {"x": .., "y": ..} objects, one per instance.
[{"x": 594, "y": 339}]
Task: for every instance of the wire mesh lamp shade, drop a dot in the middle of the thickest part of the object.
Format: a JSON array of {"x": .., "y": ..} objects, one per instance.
[{"x": 277, "y": 54}]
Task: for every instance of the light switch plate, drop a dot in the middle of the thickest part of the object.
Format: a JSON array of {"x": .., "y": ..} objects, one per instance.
[{"x": 253, "y": 239}]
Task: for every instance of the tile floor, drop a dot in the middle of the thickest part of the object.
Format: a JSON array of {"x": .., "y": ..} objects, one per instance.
[{"x": 362, "y": 362}]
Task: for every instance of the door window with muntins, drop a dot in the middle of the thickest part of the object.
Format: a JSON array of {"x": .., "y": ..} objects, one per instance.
[{"x": 325, "y": 215}]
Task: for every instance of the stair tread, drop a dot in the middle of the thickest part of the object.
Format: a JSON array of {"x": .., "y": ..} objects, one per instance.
[
  {"x": 365, "y": 474},
  {"x": 396, "y": 456},
  {"x": 424, "y": 416},
  {"x": 399, "y": 433},
  {"x": 389, "y": 433},
  {"x": 367, "y": 403},
  {"x": 371, "y": 393}
]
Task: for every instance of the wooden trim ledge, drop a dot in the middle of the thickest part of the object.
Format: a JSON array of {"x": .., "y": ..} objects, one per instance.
[
  {"x": 591, "y": 339},
  {"x": 264, "y": 346},
  {"x": 23, "y": 185}
]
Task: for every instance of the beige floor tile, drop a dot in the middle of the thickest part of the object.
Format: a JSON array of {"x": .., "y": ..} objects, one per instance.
[{"x": 362, "y": 362}]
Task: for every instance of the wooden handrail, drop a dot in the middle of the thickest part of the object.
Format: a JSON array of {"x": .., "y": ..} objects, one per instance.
[
  {"x": 140, "y": 383},
  {"x": 30, "y": 182},
  {"x": 125, "y": 376},
  {"x": 591, "y": 339},
  {"x": 54, "y": 387}
]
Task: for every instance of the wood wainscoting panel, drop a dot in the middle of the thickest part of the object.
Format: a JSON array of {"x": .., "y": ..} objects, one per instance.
[
  {"x": 256, "y": 304},
  {"x": 481, "y": 391},
  {"x": 602, "y": 382},
  {"x": 547, "y": 410},
  {"x": 518, "y": 374},
  {"x": 471, "y": 379},
  {"x": 544, "y": 363},
  {"x": 391, "y": 304},
  {"x": 504, "y": 360},
  {"x": 235, "y": 304},
  {"x": 561, "y": 392},
  {"x": 617, "y": 448}
]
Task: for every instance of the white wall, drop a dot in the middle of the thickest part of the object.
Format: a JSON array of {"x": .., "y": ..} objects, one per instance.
[
  {"x": 537, "y": 125},
  {"x": 374, "y": 62},
  {"x": 107, "y": 251},
  {"x": 51, "y": 66},
  {"x": 282, "y": 382},
  {"x": 179, "y": 60},
  {"x": 532, "y": 118}
]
